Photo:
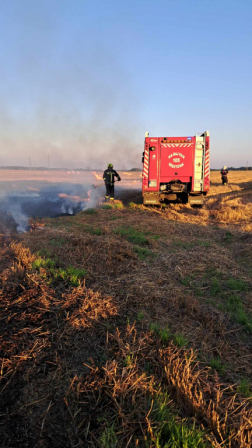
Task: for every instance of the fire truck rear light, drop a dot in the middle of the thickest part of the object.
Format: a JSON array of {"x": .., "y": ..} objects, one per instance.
[{"x": 152, "y": 183}]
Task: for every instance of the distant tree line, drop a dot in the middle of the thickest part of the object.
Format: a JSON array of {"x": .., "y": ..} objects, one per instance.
[
  {"x": 242, "y": 168},
  {"x": 231, "y": 168},
  {"x": 43, "y": 168}
]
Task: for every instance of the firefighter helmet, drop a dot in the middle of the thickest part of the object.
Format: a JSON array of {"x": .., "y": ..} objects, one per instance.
[
  {"x": 110, "y": 165},
  {"x": 224, "y": 167}
]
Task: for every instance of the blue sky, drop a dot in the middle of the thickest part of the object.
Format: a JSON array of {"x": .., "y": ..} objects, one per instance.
[{"x": 83, "y": 80}]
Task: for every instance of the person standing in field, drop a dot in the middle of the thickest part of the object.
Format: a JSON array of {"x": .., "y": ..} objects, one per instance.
[
  {"x": 224, "y": 173},
  {"x": 109, "y": 180}
]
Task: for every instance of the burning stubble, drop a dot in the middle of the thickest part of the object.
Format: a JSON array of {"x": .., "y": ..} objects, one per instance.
[
  {"x": 36, "y": 194},
  {"x": 17, "y": 207}
]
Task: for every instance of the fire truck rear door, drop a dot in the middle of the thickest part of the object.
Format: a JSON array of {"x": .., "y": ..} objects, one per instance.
[{"x": 176, "y": 161}]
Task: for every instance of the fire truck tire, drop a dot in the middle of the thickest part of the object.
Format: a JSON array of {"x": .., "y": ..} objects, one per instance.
[{"x": 171, "y": 197}]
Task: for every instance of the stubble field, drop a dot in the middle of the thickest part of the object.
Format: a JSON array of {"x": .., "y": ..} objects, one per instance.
[{"x": 126, "y": 326}]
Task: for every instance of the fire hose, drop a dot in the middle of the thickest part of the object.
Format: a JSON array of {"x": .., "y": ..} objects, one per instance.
[{"x": 100, "y": 185}]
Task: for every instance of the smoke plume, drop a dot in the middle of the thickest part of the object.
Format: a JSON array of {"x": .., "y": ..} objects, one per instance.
[{"x": 73, "y": 108}]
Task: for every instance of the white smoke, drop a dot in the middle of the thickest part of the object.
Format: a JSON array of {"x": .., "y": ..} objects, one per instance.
[
  {"x": 94, "y": 198},
  {"x": 19, "y": 217},
  {"x": 63, "y": 208}
]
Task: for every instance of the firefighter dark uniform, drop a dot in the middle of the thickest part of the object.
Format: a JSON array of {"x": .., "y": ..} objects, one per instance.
[
  {"x": 109, "y": 179},
  {"x": 224, "y": 173}
]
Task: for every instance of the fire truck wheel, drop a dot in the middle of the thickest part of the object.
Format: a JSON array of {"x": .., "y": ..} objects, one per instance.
[{"x": 171, "y": 197}]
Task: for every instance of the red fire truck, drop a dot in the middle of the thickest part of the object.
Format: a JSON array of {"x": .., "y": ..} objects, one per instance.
[{"x": 176, "y": 168}]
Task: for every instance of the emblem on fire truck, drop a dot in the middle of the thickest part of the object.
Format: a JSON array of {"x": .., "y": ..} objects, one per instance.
[{"x": 176, "y": 160}]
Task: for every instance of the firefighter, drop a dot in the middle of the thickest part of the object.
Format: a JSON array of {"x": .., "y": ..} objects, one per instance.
[
  {"x": 224, "y": 173},
  {"x": 109, "y": 179}
]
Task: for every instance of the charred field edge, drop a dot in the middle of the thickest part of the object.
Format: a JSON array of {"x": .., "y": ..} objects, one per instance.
[{"x": 129, "y": 327}]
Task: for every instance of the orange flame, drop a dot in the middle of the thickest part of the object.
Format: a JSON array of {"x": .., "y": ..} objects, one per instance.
[
  {"x": 72, "y": 198},
  {"x": 97, "y": 175},
  {"x": 134, "y": 182},
  {"x": 32, "y": 189},
  {"x": 127, "y": 174},
  {"x": 36, "y": 225}
]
